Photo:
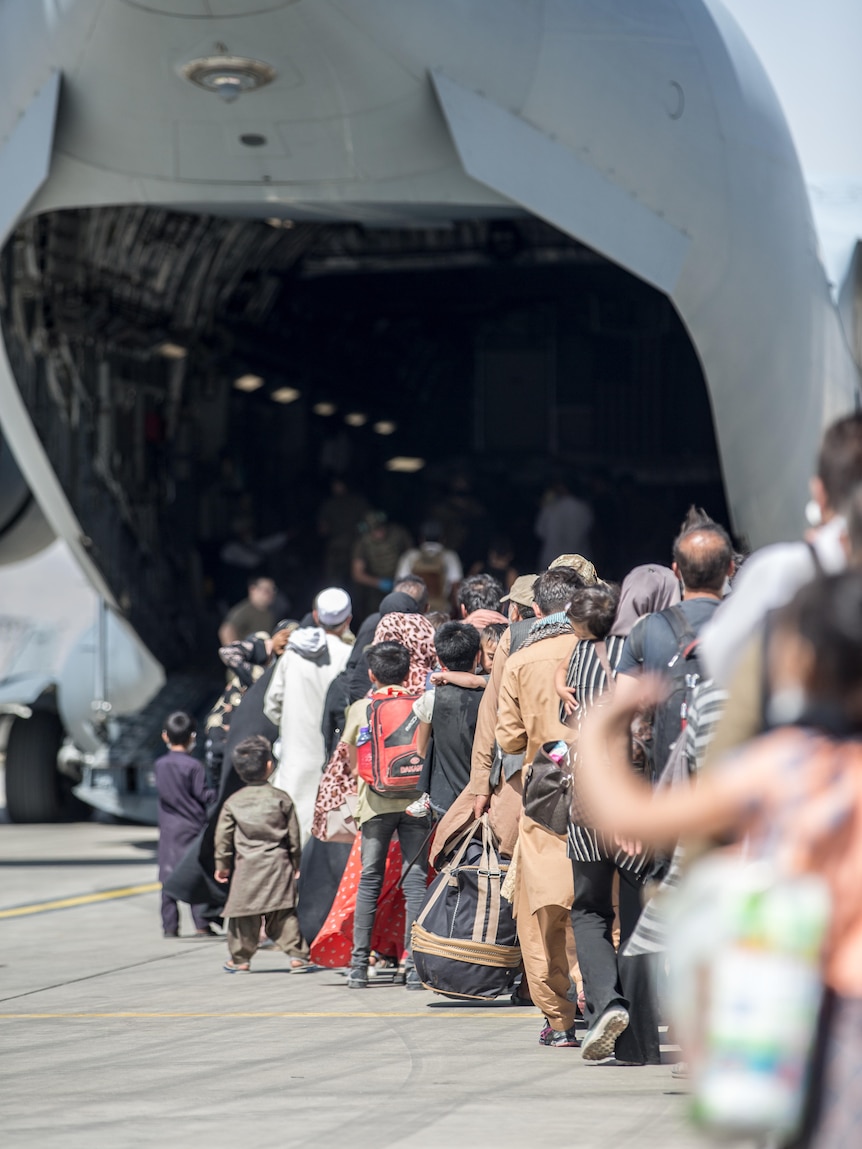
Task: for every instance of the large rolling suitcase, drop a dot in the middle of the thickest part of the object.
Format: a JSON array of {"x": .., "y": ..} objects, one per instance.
[{"x": 465, "y": 942}]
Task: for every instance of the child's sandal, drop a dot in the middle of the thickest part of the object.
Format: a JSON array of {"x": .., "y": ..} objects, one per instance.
[{"x": 242, "y": 967}]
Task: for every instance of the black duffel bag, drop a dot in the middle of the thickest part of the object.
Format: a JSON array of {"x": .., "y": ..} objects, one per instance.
[{"x": 465, "y": 942}]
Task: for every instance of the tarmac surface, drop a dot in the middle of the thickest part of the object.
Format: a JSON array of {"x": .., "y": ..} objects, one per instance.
[{"x": 111, "y": 1035}]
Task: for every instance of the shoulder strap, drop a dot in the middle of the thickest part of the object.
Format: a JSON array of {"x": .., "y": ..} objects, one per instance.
[
  {"x": 682, "y": 631},
  {"x": 602, "y": 655},
  {"x": 815, "y": 558},
  {"x": 636, "y": 640}
]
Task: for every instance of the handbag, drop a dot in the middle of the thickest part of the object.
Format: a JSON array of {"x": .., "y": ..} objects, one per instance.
[
  {"x": 549, "y": 787},
  {"x": 335, "y": 806},
  {"x": 340, "y": 825}
]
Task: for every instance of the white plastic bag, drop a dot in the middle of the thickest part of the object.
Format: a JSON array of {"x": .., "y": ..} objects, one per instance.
[{"x": 745, "y": 949}]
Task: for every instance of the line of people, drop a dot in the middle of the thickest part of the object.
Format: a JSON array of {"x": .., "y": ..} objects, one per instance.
[{"x": 573, "y": 664}]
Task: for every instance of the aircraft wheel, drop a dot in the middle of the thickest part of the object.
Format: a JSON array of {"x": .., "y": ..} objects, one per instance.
[{"x": 33, "y": 791}]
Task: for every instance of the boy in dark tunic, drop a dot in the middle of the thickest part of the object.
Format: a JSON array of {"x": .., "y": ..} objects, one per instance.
[
  {"x": 183, "y": 801},
  {"x": 257, "y": 849}
]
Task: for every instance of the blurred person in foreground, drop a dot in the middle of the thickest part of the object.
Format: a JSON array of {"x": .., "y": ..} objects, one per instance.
[
  {"x": 771, "y": 576},
  {"x": 733, "y": 642},
  {"x": 792, "y": 795}
]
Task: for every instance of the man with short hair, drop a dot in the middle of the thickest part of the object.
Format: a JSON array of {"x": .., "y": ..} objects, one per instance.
[
  {"x": 527, "y": 717},
  {"x": 314, "y": 656},
  {"x": 254, "y": 613},
  {"x": 479, "y": 600},
  {"x": 703, "y": 562},
  {"x": 619, "y": 1008}
]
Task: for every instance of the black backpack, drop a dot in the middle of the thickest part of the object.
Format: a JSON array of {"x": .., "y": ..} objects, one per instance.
[{"x": 683, "y": 672}]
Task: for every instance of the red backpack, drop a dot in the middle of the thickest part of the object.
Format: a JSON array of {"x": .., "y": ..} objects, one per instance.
[{"x": 388, "y": 761}]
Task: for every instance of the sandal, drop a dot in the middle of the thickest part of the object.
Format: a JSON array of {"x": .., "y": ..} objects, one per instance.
[
  {"x": 230, "y": 967},
  {"x": 301, "y": 965}
]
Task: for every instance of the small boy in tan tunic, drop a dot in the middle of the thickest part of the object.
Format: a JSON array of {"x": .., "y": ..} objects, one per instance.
[{"x": 258, "y": 842}]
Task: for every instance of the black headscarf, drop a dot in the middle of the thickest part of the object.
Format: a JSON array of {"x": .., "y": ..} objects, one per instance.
[{"x": 398, "y": 602}]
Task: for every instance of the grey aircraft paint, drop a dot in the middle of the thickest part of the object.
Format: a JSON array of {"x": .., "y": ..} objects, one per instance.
[{"x": 646, "y": 129}]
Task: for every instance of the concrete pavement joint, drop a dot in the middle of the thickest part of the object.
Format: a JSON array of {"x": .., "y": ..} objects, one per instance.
[{"x": 101, "y": 973}]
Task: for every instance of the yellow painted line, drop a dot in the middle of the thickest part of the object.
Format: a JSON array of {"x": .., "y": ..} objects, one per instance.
[
  {"x": 502, "y": 1014},
  {"x": 80, "y": 900}
]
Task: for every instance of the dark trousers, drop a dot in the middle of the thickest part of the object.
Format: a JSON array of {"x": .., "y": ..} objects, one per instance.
[
  {"x": 376, "y": 835},
  {"x": 612, "y": 980},
  {"x": 171, "y": 915}
]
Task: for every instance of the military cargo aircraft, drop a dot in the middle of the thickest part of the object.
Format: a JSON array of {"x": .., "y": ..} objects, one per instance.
[{"x": 520, "y": 226}]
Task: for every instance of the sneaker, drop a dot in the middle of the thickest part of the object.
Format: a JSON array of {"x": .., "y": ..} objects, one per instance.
[
  {"x": 413, "y": 980},
  {"x": 558, "y": 1038},
  {"x": 601, "y": 1040},
  {"x": 421, "y": 808},
  {"x": 357, "y": 979}
]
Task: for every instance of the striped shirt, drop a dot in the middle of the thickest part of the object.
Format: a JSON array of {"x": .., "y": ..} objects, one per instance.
[{"x": 589, "y": 679}]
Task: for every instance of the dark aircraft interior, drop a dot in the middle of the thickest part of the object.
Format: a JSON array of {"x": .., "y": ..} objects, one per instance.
[{"x": 197, "y": 380}]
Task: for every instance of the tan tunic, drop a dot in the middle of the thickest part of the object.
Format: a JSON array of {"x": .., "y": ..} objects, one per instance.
[
  {"x": 257, "y": 838},
  {"x": 486, "y": 722},
  {"x": 527, "y": 716}
]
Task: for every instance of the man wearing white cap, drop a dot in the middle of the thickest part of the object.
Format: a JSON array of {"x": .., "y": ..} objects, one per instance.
[{"x": 314, "y": 656}]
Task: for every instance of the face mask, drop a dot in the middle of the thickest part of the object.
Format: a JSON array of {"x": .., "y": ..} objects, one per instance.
[{"x": 786, "y": 705}]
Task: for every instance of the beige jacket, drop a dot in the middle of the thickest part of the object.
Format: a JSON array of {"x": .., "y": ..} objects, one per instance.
[
  {"x": 486, "y": 721},
  {"x": 528, "y": 705},
  {"x": 257, "y": 839},
  {"x": 527, "y": 716}
]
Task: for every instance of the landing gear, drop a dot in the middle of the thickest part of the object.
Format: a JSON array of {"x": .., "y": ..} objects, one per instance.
[{"x": 34, "y": 788}]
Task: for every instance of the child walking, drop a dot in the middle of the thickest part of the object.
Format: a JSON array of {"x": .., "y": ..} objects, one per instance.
[
  {"x": 257, "y": 849},
  {"x": 379, "y": 817},
  {"x": 183, "y": 801}
]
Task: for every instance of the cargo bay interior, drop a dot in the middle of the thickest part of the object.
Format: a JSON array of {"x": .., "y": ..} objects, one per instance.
[{"x": 198, "y": 381}]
